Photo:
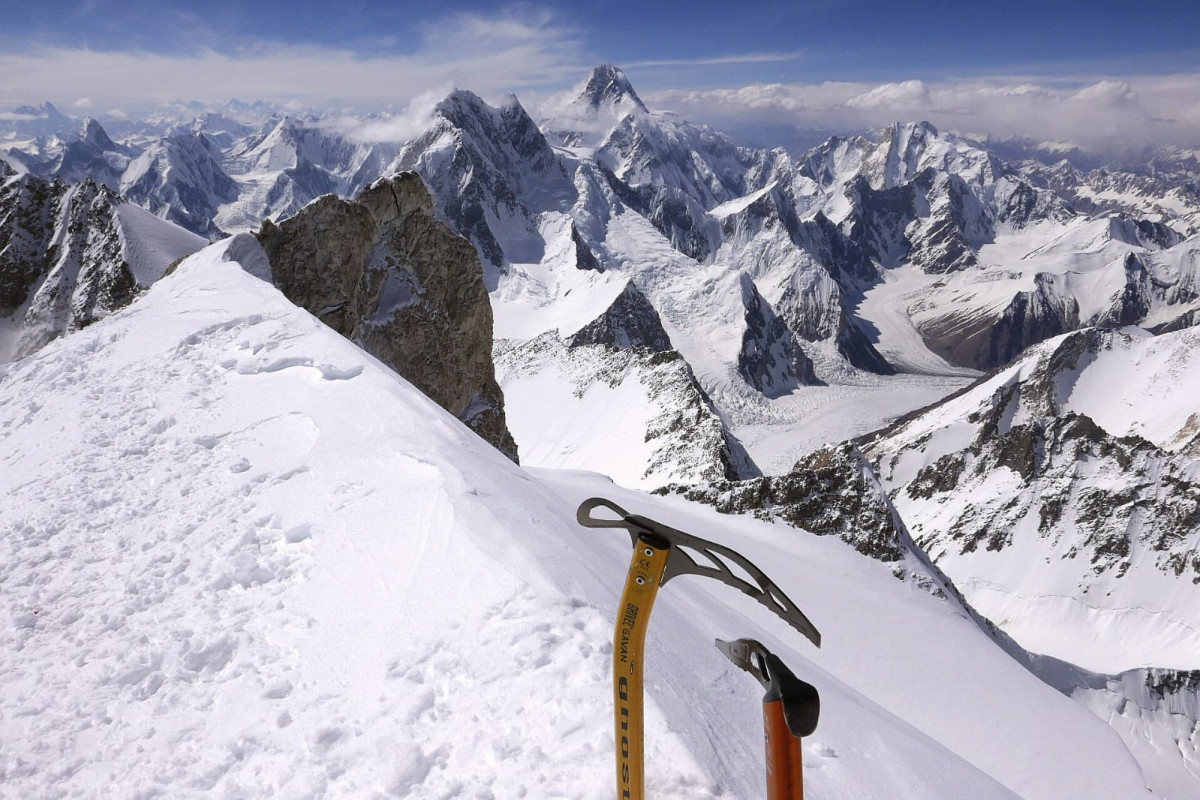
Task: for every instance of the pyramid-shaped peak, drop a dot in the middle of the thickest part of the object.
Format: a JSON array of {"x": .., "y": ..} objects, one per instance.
[
  {"x": 93, "y": 133},
  {"x": 608, "y": 87}
]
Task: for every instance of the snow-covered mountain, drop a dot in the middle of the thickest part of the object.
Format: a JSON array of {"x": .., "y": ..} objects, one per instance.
[
  {"x": 915, "y": 249},
  {"x": 180, "y": 178},
  {"x": 32, "y": 122},
  {"x": 93, "y": 155},
  {"x": 71, "y": 254},
  {"x": 1080, "y": 458},
  {"x": 287, "y": 164},
  {"x": 1160, "y": 184},
  {"x": 1061, "y": 495},
  {"x": 238, "y": 541},
  {"x": 617, "y": 290}
]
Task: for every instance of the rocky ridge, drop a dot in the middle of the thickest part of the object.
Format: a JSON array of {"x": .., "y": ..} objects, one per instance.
[{"x": 383, "y": 271}]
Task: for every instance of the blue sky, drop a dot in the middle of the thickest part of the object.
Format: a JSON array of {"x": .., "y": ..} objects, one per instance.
[
  {"x": 815, "y": 62},
  {"x": 810, "y": 40}
]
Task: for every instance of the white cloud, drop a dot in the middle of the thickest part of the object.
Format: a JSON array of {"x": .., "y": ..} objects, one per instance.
[
  {"x": 1100, "y": 112},
  {"x": 1107, "y": 92},
  {"x": 909, "y": 94},
  {"x": 84, "y": 102},
  {"x": 489, "y": 54},
  {"x": 705, "y": 61},
  {"x": 398, "y": 127}
]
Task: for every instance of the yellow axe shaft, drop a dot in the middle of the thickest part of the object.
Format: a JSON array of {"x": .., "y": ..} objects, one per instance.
[{"x": 629, "y": 644}]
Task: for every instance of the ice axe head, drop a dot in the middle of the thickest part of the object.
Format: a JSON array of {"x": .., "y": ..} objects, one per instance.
[
  {"x": 801, "y": 702},
  {"x": 691, "y": 555}
]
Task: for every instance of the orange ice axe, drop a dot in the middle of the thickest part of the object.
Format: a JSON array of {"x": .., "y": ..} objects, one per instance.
[{"x": 790, "y": 711}]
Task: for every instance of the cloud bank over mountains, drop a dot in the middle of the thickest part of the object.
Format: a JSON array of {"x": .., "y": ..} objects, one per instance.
[
  {"x": 1093, "y": 112},
  {"x": 533, "y": 52}
]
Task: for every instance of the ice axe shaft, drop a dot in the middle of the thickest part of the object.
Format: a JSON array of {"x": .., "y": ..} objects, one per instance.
[
  {"x": 629, "y": 646},
  {"x": 790, "y": 711},
  {"x": 659, "y": 554},
  {"x": 785, "y": 771}
]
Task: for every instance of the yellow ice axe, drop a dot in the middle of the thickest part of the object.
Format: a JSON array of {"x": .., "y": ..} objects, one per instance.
[{"x": 659, "y": 554}]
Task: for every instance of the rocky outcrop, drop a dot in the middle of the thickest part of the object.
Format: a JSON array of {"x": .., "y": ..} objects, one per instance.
[
  {"x": 985, "y": 342},
  {"x": 1048, "y": 463},
  {"x": 956, "y": 226},
  {"x": 830, "y": 492},
  {"x": 1155, "y": 507},
  {"x": 630, "y": 321},
  {"x": 385, "y": 273}
]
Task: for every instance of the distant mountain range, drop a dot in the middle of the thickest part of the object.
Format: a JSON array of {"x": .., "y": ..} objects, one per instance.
[{"x": 1005, "y": 330}]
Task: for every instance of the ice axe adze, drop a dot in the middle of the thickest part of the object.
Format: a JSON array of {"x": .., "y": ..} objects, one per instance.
[
  {"x": 790, "y": 711},
  {"x": 659, "y": 554}
]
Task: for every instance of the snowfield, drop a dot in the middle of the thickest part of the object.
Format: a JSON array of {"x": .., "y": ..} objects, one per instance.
[{"x": 241, "y": 558}]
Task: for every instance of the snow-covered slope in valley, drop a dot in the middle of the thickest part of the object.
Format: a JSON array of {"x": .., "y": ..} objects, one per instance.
[
  {"x": 1080, "y": 459},
  {"x": 240, "y": 557}
]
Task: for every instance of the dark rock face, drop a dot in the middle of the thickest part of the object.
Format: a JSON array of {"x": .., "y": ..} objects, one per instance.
[
  {"x": 953, "y": 231},
  {"x": 1146, "y": 287},
  {"x": 630, "y": 321},
  {"x": 830, "y": 492},
  {"x": 880, "y": 219},
  {"x": 1026, "y": 205},
  {"x": 851, "y": 269},
  {"x": 1135, "y": 299},
  {"x": 985, "y": 343},
  {"x": 584, "y": 257},
  {"x": 62, "y": 264},
  {"x": 771, "y": 359},
  {"x": 815, "y": 303},
  {"x": 1142, "y": 232},
  {"x": 384, "y": 272},
  {"x": 1030, "y": 318}
]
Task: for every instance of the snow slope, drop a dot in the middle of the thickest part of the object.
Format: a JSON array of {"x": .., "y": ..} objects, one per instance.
[
  {"x": 1098, "y": 494},
  {"x": 150, "y": 245},
  {"x": 241, "y": 558}
]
